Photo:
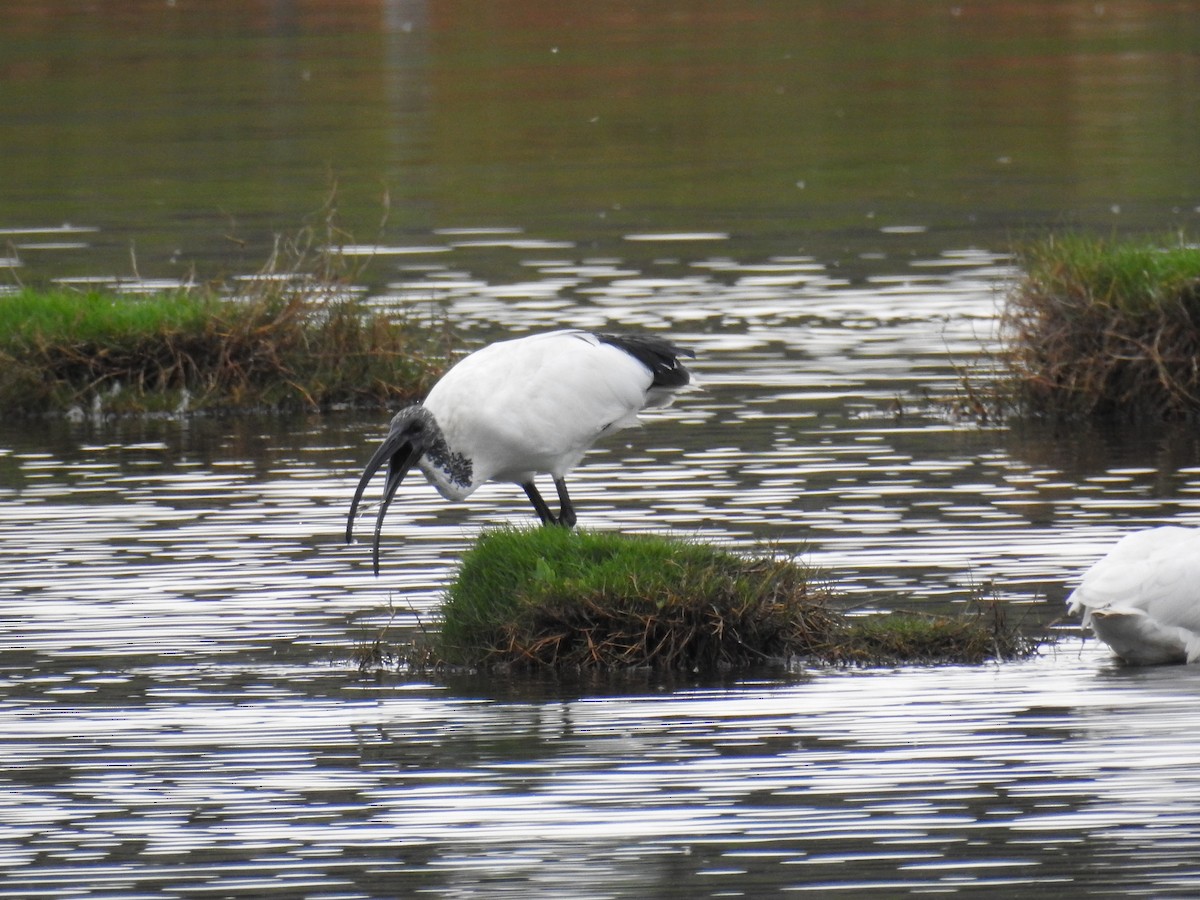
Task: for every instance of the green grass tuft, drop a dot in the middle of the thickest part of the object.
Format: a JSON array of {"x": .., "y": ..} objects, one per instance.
[
  {"x": 296, "y": 336},
  {"x": 276, "y": 346},
  {"x": 913, "y": 638},
  {"x": 553, "y": 598},
  {"x": 288, "y": 348},
  {"x": 1105, "y": 329}
]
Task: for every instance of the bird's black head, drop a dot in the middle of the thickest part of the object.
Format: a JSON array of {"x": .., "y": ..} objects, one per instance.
[{"x": 411, "y": 430}]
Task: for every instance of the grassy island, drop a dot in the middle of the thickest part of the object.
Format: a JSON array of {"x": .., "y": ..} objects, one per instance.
[
  {"x": 1106, "y": 329},
  {"x": 553, "y": 599},
  {"x": 289, "y": 343}
]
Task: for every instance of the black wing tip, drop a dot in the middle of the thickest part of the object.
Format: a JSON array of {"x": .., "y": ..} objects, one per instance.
[
  {"x": 641, "y": 342},
  {"x": 657, "y": 354}
]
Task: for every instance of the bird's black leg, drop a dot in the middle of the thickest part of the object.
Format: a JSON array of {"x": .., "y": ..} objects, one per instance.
[
  {"x": 566, "y": 512},
  {"x": 539, "y": 504}
]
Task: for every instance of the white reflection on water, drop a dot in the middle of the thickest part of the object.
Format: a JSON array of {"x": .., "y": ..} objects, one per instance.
[
  {"x": 176, "y": 605},
  {"x": 1063, "y": 773}
]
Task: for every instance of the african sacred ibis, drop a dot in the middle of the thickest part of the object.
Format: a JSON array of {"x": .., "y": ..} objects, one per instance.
[
  {"x": 524, "y": 407},
  {"x": 1143, "y": 597}
]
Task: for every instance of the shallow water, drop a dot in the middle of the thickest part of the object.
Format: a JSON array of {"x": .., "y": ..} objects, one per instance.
[
  {"x": 179, "y": 715},
  {"x": 820, "y": 205},
  {"x": 1056, "y": 777}
]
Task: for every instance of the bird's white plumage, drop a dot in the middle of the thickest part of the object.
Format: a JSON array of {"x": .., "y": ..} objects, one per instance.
[
  {"x": 535, "y": 405},
  {"x": 1143, "y": 597},
  {"x": 521, "y": 408}
]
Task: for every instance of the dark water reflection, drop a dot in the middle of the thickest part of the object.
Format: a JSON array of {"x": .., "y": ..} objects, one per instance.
[{"x": 195, "y": 131}]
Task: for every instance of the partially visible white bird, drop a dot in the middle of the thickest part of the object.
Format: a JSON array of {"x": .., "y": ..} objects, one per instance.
[
  {"x": 524, "y": 407},
  {"x": 1143, "y": 598}
]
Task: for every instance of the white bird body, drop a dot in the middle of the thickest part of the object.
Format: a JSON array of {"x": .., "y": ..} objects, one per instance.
[
  {"x": 533, "y": 405},
  {"x": 1143, "y": 597},
  {"x": 525, "y": 407}
]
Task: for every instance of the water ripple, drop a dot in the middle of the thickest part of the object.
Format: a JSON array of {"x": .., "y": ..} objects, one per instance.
[
  {"x": 177, "y": 717},
  {"x": 941, "y": 779}
]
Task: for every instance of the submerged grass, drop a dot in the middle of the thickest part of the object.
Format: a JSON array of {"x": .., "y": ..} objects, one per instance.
[
  {"x": 292, "y": 338},
  {"x": 972, "y": 637},
  {"x": 549, "y": 598},
  {"x": 1106, "y": 329}
]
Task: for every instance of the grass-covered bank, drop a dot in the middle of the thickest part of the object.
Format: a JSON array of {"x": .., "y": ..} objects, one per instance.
[
  {"x": 1101, "y": 328},
  {"x": 290, "y": 344},
  {"x": 550, "y": 598}
]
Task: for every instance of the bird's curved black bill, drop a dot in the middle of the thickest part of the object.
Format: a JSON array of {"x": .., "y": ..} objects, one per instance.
[{"x": 401, "y": 456}]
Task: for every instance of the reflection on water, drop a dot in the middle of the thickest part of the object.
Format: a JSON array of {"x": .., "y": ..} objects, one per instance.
[
  {"x": 1056, "y": 777},
  {"x": 197, "y": 131},
  {"x": 177, "y": 716}
]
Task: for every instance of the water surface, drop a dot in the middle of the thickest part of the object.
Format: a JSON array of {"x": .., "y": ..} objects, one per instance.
[
  {"x": 820, "y": 200},
  {"x": 192, "y": 132},
  {"x": 179, "y": 715}
]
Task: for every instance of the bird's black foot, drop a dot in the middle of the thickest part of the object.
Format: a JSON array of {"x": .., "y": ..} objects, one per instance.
[{"x": 566, "y": 515}]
